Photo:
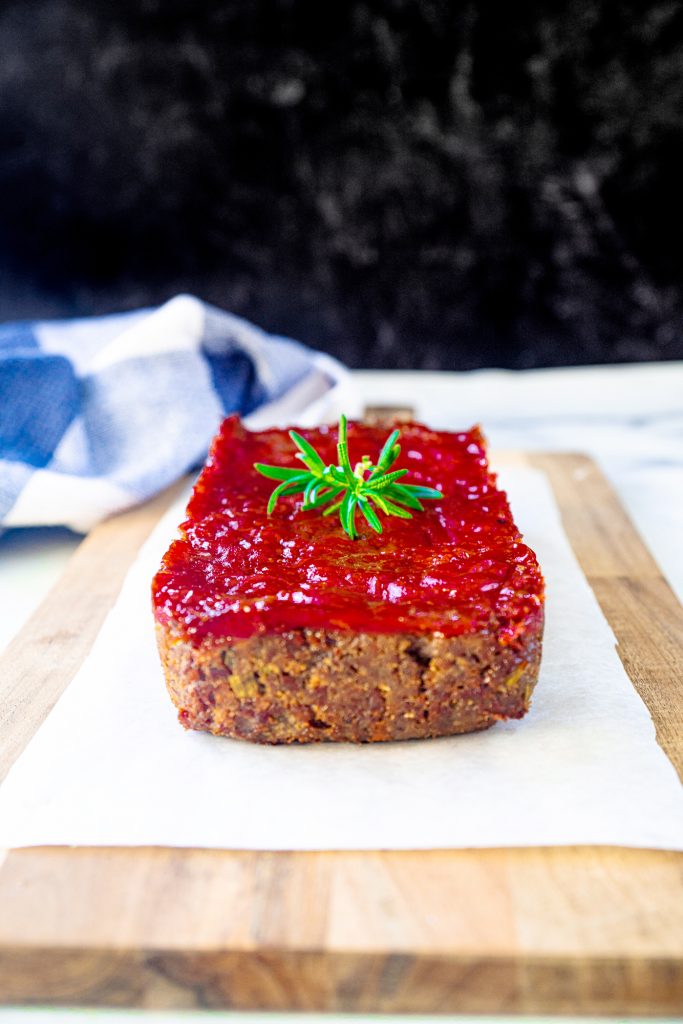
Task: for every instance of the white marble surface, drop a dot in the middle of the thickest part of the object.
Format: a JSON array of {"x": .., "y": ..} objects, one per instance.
[{"x": 31, "y": 561}]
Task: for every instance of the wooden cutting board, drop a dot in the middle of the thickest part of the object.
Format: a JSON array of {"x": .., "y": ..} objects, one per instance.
[{"x": 584, "y": 930}]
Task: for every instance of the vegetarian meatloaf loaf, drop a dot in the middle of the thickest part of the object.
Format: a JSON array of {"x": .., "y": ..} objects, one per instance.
[{"x": 281, "y": 629}]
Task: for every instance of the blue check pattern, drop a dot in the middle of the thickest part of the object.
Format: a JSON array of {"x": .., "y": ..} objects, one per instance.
[{"x": 100, "y": 413}]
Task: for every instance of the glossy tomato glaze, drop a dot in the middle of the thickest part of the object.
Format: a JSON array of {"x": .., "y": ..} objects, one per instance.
[{"x": 458, "y": 567}]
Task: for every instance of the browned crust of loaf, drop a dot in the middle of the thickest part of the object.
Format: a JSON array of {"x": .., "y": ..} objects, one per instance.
[{"x": 311, "y": 685}]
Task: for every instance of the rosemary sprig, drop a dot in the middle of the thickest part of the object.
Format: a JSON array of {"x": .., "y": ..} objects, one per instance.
[{"x": 367, "y": 487}]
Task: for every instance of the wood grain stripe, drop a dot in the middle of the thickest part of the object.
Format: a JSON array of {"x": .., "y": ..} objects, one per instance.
[{"x": 564, "y": 930}]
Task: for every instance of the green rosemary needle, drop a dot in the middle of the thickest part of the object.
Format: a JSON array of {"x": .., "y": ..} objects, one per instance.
[{"x": 368, "y": 487}]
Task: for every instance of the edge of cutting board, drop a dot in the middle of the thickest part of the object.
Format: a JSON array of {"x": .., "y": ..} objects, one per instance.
[{"x": 589, "y": 930}]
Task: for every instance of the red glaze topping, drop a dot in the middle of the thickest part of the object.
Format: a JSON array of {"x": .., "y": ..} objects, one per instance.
[{"x": 458, "y": 567}]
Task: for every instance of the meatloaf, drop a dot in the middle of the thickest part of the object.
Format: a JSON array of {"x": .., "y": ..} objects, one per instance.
[{"x": 281, "y": 629}]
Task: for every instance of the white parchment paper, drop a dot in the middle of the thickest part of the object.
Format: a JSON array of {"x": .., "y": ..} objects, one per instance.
[{"x": 111, "y": 765}]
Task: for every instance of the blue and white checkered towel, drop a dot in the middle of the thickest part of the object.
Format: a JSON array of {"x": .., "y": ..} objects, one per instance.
[{"x": 98, "y": 414}]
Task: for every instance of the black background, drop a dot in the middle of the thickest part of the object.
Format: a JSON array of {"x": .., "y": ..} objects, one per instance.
[{"x": 399, "y": 182}]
